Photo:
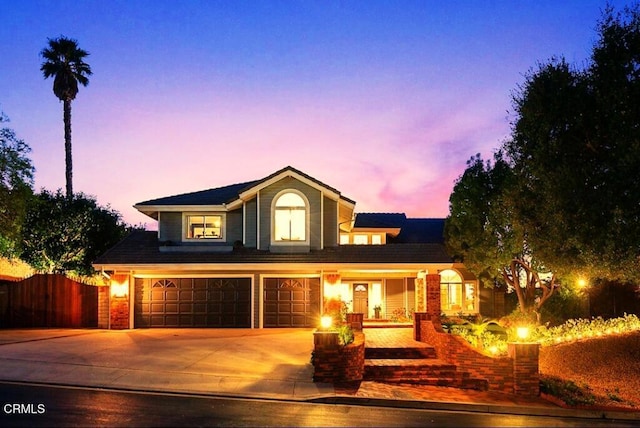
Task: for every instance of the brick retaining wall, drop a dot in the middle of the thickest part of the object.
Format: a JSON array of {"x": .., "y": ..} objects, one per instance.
[{"x": 516, "y": 373}]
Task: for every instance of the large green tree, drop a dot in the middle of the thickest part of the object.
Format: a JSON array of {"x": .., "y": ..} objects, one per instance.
[
  {"x": 483, "y": 231},
  {"x": 67, "y": 234},
  {"x": 575, "y": 148},
  {"x": 65, "y": 62},
  {"x": 16, "y": 181}
]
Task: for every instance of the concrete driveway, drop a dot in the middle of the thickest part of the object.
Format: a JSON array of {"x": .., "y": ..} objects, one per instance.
[{"x": 236, "y": 362}]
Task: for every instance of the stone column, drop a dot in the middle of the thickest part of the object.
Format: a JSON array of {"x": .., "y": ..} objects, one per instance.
[{"x": 526, "y": 376}]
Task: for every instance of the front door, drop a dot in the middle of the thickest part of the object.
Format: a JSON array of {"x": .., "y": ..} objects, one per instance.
[{"x": 361, "y": 299}]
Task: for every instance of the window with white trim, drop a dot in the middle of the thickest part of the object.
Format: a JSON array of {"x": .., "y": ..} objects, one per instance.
[
  {"x": 290, "y": 218},
  {"x": 204, "y": 226}
]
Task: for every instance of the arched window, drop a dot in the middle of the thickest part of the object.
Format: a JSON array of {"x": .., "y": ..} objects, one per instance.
[
  {"x": 450, "y": 291},
  {"x": 290, "y": 218},
  {"x": 456, "y": 296}
]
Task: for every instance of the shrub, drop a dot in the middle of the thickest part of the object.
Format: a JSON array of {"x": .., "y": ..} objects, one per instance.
[{"x": 567, "y": 391}]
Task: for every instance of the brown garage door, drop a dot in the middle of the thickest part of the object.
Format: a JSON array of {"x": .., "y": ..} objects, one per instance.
[
  {"x": 291, "y": 302},
  {"x": 193, "y": 302}
]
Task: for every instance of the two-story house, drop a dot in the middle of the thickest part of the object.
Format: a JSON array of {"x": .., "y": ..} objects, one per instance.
[{"x": 271, "y": 253}]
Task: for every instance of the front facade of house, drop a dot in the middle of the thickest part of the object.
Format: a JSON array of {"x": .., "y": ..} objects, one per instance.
[{"x": 275, "y": 252}]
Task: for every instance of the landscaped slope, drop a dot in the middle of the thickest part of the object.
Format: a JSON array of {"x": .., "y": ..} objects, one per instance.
[{"x": 610, "y": 366}]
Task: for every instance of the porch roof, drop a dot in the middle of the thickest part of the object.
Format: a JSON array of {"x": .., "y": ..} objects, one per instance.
[{"x": 142, "y": 247}]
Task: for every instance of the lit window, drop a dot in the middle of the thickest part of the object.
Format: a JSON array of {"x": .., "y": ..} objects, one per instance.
[
  {"x": 470, "y": 296},
  {"x": 344, "y": 239},
  {"x": 451, "y": 291},
  {"x": 290, "y": 218},
  {"x": 200, "y": 226},
  {"x": 376, "y": 239},
  {"x": 360, "y": 239}
]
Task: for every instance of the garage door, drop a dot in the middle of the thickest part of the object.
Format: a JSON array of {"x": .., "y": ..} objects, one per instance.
[
  {"x": 192, "y": 302},
  {"x": 291, "y": 302}
]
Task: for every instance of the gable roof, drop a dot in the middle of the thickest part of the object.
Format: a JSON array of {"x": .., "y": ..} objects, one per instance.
[{"x": 227, "y": 197}]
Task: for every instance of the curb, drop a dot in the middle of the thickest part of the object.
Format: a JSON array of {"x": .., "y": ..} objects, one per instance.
[
  {"x": 480, "y": 408},
  {"x": 366, "y": 401}
]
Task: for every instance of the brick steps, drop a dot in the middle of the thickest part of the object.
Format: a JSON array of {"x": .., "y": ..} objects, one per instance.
[
  {"x": 404, "y": 353},
  {"x": 416, "y": 365}
]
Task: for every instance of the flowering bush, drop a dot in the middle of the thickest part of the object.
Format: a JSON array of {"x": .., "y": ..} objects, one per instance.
[
  {"x": 586, "y": 328},
  {"x": 486, "y": 337},
  {"x": 337, "y": 309},
  {"x": 400, "y": 315}
]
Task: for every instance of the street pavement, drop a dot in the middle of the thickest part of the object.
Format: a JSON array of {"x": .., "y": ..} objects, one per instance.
[{"x": 252, "y": 363}]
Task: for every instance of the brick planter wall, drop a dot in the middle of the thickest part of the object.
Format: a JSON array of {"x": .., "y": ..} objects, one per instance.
[
  {"x": 333, "y": 363},
  {"x": 516, "y": 373},
  {"x": 119, "y": 313}
]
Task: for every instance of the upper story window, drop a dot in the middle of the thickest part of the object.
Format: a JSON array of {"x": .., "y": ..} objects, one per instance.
[
  {"x": 204, "y": 226},
  {"x": 290, "y": 218},
  {"x": 362, "y": 238}
]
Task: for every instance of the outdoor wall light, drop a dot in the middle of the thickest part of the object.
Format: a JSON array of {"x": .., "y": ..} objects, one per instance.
[
  {"x": 326, "y": 322},
  {"x": 119, "y": 286}
]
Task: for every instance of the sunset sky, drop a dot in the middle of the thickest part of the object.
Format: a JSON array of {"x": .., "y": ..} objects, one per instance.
[{"x": 383, "y": 100}]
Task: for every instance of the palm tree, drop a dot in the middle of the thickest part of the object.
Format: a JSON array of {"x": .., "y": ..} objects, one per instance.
[{"x": 64, "y": 61}]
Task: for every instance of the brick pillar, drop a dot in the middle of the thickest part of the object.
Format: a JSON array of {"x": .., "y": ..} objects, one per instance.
[
  {"x": 326, "y": 356},
  {"x": 418, "y": 317},
  {"x": 119, "y": 312},
  {"x": 433, "y": 296},
  {"x": 526, "y": 376}
]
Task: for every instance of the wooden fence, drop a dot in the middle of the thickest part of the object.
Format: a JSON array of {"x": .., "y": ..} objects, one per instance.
[{"x": 49, "y": 301}]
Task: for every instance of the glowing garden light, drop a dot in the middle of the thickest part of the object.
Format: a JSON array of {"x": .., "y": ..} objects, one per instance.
[
  {"x": 326, "y": 322},
  {"x": 522, "y": 333}
]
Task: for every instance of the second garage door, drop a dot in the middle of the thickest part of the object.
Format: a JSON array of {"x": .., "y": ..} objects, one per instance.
[
  {"x": 291, "y": 302},
  {"x": 193, "y": 302}
]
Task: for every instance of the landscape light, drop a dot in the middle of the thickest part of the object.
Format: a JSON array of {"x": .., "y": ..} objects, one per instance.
[
  {"x": 522, "y": 333},
  {"x": 326, "y": 322}
]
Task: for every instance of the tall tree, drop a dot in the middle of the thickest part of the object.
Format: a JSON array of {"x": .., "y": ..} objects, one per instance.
[
  {"x": 64, "y": 61},
  {"x": 16, "y": 181},
  {"x": 576, "y": 150}
]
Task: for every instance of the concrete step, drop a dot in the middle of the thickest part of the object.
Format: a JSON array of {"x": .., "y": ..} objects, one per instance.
[{"x": 399, "y": 353}]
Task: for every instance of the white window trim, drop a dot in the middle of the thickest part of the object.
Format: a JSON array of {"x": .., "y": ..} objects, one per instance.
[
  {"x": 307, "y": 220},
  {"x": 223, "y": 226}
]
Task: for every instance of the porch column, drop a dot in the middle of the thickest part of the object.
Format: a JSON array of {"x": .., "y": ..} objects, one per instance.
[
  {"x": 433, "y": 309},
  {"x": 421, "y": 295}
]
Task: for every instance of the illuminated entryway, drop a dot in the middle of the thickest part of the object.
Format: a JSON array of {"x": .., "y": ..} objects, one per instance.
[{"x": 361, "y": 298}]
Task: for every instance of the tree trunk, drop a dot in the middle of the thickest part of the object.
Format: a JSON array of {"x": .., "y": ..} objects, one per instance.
[{"x": 67, "y": 148}]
